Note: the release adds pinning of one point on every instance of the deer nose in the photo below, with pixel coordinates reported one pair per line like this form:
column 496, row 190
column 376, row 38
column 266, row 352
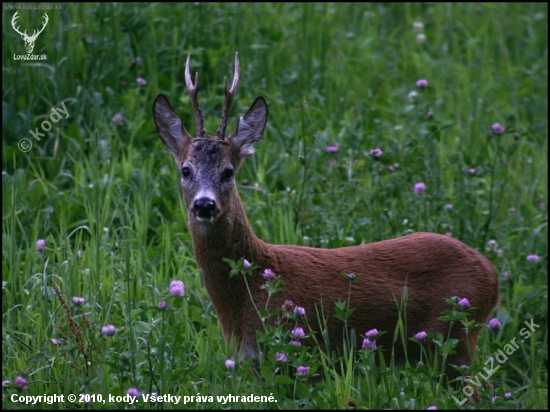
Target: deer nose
column 204, row 208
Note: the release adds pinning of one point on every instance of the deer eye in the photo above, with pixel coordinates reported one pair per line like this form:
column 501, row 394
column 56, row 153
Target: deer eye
column 228, row 173
column 185, row 172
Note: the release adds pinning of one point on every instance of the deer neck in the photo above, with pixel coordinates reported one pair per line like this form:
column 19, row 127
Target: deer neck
column 230, row 236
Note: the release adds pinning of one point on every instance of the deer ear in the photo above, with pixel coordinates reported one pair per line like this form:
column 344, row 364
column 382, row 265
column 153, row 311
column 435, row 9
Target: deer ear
column 250, row 128
column 169, row 126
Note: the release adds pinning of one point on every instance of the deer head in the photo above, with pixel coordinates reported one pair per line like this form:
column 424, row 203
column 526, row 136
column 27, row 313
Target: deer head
column 29, row 40
column 208, row 163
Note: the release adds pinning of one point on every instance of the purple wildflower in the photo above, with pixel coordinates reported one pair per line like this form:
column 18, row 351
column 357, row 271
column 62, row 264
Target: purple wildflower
column 281, row 357
column 246, row 264
column 117, row 119
column 302, row 370
column 56, row 341
column 497, row 128
column 371, row 334
column 419, row 188
column 494, row 324
column 494, row 399
column 508, row 395
column 295, row 342
column 368, row 344
column 532, row 258
column 422, row 83
column 492, row 244
column 431, row 408
column 298, row 332
column 448, row 207
column 162, row 305
column 376, row 152
column 177, row 288
column 332, row 148
column 394, row 166
column 421, row 335
column 268, row 274
column 472, row 171
column 133, row 392
column 108, row 330
column 6, row 383
column 78, row 301
column 141, row 81
column 299, row 311
column 230, row 364
column 21, row 381
column 40, row 245
column 465, row 303
column 287, row 305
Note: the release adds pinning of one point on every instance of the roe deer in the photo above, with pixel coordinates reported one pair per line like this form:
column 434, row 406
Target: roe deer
column 433, row 267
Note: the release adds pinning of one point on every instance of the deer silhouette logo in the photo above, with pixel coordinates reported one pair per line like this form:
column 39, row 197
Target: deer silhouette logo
column 29, row 40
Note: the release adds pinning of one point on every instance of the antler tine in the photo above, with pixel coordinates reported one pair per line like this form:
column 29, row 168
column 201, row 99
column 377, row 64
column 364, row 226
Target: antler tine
column 229, row 94
column 35, row 33
column 14, row 22
column 192, row 89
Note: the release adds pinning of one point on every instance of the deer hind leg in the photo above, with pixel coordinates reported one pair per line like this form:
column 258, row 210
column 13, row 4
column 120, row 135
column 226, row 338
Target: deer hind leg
column 249, row 346
column 465, row 356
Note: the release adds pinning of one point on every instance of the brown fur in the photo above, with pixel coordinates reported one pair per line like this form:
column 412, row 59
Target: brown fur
column 432, row 267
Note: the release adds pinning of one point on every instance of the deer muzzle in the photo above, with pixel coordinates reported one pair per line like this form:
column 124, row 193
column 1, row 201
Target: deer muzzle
column 205, row 209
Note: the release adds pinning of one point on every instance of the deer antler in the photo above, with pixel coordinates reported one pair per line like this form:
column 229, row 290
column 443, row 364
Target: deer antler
column 34, row 34
column 25, row 36
column 193, row 90
column 229, row 94
column 15, row 16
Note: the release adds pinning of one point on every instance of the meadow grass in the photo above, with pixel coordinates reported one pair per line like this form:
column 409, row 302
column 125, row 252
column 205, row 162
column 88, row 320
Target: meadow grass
column 103, row 193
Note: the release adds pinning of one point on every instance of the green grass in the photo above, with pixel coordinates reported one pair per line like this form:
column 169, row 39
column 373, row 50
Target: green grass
column 331, row 74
